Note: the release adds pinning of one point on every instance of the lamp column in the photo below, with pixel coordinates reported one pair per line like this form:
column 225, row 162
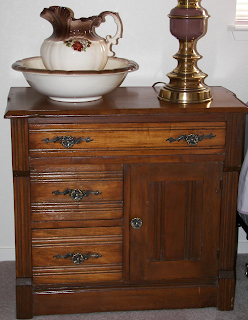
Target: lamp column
column 188, row 23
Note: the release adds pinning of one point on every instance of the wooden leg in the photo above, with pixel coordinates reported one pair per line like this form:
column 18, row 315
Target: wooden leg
column 24, row 301
column 226, row 294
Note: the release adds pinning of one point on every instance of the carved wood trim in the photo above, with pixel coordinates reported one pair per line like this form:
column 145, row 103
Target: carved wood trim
column 193, row 219
column 19, row 135
column 126, row 222
column 142, row 298
column 235, row 140
column 159, row 225
column 22, row 226
column 228, row 221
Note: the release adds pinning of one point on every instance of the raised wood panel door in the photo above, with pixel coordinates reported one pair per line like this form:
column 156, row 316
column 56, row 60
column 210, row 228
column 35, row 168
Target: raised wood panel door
column 179, row 205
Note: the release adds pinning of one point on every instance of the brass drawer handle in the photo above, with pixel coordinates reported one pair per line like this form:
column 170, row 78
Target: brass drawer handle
column 192, row 139
column 136, row 223
column 78, row 258
column 67, row 141
column 76, row 194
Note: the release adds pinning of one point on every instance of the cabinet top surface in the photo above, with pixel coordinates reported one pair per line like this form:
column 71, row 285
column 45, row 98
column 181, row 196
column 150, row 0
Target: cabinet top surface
column 25, row 102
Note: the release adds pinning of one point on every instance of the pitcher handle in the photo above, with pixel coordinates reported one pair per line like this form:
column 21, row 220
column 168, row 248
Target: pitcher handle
column 109, row 39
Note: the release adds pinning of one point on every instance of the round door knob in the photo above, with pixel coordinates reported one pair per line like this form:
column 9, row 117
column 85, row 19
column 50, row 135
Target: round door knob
column 136, row 223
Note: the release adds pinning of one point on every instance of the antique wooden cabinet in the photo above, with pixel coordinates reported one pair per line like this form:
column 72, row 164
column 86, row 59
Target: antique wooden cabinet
column 125, row 203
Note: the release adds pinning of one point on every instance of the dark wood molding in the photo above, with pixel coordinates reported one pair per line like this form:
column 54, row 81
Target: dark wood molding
column 19, row 138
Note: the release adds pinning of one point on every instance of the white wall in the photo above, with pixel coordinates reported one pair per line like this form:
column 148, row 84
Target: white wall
column 146, row 40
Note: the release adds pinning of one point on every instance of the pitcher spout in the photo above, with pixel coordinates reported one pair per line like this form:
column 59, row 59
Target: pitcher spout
column 64, row 24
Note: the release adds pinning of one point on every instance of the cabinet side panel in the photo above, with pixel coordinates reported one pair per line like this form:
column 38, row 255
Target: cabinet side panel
column 228, row 241
column 22, row 226
column 19, row 136
column 228, row 220
column 235, row 140
column 20, row 164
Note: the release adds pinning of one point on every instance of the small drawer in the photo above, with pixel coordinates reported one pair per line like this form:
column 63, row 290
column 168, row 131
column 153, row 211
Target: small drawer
column 77, row 255
column 126, row 139
column 76, row 192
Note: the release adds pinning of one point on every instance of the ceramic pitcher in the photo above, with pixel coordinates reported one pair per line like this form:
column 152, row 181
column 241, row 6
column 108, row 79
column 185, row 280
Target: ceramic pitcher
column 74, row 44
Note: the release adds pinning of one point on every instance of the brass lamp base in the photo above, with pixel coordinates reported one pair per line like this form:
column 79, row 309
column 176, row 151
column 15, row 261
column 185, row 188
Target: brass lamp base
column 177, row 96
column 188, row 23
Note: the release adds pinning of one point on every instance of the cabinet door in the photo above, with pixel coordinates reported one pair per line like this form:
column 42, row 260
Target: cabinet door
column 179, row 205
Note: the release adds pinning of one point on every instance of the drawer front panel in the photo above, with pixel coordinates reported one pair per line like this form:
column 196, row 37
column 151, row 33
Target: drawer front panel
column 76, row 192
column 126, row 139
column 65, row 191
column 77, row 255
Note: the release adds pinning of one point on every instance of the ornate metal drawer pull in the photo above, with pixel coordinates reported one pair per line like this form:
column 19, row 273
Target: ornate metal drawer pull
column 68, row 141
column 192, row 139
column 78, row 258
column 136, row 223
column 77, row 194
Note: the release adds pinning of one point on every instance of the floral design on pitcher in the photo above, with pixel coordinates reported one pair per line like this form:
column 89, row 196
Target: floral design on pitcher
column 78, row 45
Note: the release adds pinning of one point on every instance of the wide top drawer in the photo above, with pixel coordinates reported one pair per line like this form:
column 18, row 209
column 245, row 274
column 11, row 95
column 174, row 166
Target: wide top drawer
column 126, row 139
